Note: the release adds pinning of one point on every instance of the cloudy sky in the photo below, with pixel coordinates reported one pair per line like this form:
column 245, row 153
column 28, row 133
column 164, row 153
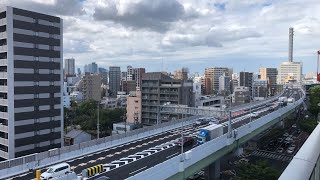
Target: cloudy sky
column 170, row 34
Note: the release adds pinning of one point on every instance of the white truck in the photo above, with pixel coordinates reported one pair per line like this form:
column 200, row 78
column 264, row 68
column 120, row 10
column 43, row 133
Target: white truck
column 282, row 101
column 291, row 100
column 210, row 132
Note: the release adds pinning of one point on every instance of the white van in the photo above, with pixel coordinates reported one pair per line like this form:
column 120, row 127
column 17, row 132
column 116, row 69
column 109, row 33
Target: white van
column 56, row 171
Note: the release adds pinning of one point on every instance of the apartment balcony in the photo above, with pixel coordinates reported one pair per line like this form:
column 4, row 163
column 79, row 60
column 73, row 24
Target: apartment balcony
column 144, row 97
column 153, row 117
column 3, row 141
column 153, row 92
column 4, row 115
column 149, row 85
column 3, row 75
column 145, row 116
column 3, row 128
column 3, row 22
column 3, row 48
column 3, row 88
column 168, row 92
column 3, row 35
column 4, row 102
column 153, row 110
column 3, row 62
column 153, row 97
column 4, row 154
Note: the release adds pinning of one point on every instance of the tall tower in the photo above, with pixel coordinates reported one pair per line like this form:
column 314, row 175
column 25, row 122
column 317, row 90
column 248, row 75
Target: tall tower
column 31, row 113
column 290, row 44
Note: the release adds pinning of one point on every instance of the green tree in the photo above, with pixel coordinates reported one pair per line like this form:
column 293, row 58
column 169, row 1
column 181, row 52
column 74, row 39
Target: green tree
column 259, row 171
column 308, row 125
column 314, row 100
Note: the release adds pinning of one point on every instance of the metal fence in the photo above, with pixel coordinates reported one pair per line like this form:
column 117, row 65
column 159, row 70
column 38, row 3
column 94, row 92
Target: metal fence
column 38, row 160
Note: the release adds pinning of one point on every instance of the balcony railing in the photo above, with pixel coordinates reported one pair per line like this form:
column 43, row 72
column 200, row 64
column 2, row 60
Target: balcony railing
column 3, row 62
column 3, row 88
column 3, row 141
column 3, row 21
column 3, row 75
column 3, row 48
column 3, row 128
column 3, row 35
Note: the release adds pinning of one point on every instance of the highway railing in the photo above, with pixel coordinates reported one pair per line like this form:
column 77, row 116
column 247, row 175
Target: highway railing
column 174, row 165
column 38, row 160
column 306, row 163
column 256, row 103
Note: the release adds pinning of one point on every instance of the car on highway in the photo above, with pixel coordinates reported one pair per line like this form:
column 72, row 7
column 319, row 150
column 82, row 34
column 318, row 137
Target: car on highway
column 286, row 134
column 201, row 121
column 280, row 140
column 290, row 150
column 254, row 114
column 103, row 178
column 280, row 150
column 56, row 171
column 185, row 141
column 294, row 126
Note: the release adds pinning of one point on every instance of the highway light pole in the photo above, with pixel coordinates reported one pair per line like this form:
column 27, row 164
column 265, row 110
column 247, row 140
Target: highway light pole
column 98, row 119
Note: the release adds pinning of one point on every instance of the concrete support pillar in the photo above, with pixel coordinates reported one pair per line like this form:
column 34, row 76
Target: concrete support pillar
column 212, row 172
column 238, row 151
column 280, row 124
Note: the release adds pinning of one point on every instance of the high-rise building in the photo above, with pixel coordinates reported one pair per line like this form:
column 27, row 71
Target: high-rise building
column 289, row 71
column 134, row 107
column 241, row 95
column 213, row 74
column 260, row 89
column 90, row 86
column 158, row 89
column 86, row 68
column 104, row 77
column 69, row 68
column 102, row 70
column 78, row 71
column 93, row 68
column 224, row 84
column 128, row 86
column 129, row 73
column 114, row 80
column 181, row 74
column 246, row 80
column 31, row 82
column 270, row 74
column 138, row 72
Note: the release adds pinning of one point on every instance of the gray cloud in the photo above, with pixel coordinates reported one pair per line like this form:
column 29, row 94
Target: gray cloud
column 58, row 7
column 212, row 38
column 155, row 15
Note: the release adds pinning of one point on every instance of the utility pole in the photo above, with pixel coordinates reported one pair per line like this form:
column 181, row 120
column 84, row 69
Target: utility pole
column 98, row 118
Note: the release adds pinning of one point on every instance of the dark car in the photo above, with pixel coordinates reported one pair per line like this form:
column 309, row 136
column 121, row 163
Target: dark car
column 187, row 141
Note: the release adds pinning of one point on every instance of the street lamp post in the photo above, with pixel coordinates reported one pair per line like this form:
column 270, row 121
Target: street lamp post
column 98, row 120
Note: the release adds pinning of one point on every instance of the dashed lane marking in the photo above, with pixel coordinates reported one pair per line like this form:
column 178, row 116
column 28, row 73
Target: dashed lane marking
column 109, row 155
column 101, row 158
column 82, row 164
column 92, row 161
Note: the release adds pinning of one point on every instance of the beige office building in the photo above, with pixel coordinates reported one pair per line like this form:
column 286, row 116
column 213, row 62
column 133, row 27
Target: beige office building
column 213, row 74
column 289, row 69
column 90, row 86
column 134, row 107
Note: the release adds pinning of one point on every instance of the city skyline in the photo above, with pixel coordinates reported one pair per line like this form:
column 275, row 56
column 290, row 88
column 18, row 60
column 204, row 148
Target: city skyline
column 242, row 35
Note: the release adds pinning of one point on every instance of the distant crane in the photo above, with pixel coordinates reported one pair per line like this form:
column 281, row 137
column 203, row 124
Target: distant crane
column 318, row 74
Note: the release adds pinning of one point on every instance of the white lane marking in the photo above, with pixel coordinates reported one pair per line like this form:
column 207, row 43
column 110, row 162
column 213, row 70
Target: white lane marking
column 89, row 155
column 109, row 155
column 82, row 164
column 23, row 174
column 92, row 161
column 70, row 161
column 101, row 158
column 172, row 155
column 80, row 157
column 117, row 153
column 138, row 170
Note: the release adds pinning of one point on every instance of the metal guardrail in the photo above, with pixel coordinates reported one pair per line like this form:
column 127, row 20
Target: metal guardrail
column 22, row 164
column 173, row 166
column 306, row 163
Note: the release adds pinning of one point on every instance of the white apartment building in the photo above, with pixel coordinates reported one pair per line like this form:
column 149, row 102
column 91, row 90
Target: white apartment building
column 289, row 71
